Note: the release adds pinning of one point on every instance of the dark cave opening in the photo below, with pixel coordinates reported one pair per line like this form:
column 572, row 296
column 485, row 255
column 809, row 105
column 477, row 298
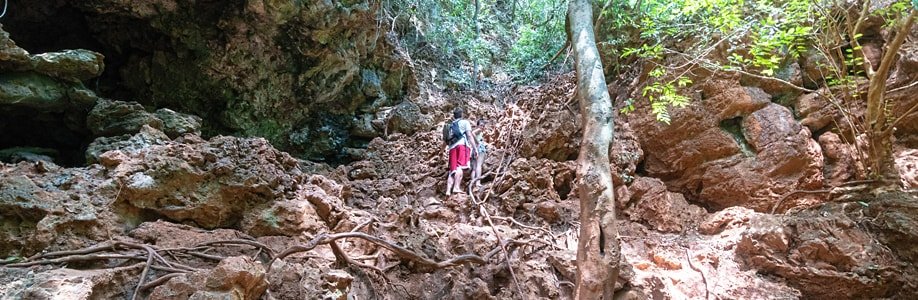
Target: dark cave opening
column 32, row 135
column 61, row 133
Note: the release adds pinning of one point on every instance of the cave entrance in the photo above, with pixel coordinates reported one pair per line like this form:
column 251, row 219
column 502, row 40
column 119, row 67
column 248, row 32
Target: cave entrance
column 30, row 135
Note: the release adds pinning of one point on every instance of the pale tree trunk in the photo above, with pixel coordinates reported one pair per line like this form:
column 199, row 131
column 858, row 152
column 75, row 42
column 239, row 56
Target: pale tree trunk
column 880, row 126
column 598, row 251
column 476, row 71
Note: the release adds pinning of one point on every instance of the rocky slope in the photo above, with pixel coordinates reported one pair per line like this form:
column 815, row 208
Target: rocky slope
column 738, row 198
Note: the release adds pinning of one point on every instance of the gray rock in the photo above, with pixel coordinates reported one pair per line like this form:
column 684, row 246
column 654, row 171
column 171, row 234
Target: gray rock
column 112, row 118
column 33, row 91
column 12, row 58
column 74, row 65
column 177, row 124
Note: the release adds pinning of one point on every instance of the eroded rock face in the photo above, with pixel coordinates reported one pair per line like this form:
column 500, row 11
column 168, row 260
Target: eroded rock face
column 43, row 100
column 823, row 253
column 212, row 183
column 733, row 147
column 554, row 131
column 258, row 68
column 46, row 207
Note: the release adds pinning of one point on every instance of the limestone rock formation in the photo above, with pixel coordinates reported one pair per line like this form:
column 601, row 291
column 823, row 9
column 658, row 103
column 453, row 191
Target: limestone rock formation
column 721, row 152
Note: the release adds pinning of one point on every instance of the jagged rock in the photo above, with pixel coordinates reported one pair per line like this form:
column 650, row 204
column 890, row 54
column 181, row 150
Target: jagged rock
column 325, row 195
column 815, row 110
column 33, row 154
column 823, row 253
column 290, row 218
column 176, row 124
column 112, row 118
column 625, row 153
column 729, row 218
column 554, row 131
column 212, row 183
column 337, row 283
column 237, row 277
column 74, row 65
column 894, row 219
column 726, row 154
column 407, row 118
column 533, row 181
column 664, row 211
column 736, row 101
column 907, row 164
column 12, row 58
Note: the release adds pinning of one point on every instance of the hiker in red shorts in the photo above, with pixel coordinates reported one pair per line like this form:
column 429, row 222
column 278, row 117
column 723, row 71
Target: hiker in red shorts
column 460, row 142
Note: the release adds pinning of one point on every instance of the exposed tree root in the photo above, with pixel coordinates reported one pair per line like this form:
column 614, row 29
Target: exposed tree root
column 422, row 264
column 153, row 260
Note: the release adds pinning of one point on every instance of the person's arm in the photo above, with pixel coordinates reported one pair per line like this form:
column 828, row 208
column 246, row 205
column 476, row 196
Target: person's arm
column 469, row 136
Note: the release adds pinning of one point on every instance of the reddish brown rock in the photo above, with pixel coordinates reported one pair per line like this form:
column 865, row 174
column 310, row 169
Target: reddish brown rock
column 722, row 154
column 823, row 253
column 664, row 211
column 815, row 111
column 786, row 159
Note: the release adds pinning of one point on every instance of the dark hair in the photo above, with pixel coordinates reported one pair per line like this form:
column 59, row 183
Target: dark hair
column 457, row 113
column 482, row 122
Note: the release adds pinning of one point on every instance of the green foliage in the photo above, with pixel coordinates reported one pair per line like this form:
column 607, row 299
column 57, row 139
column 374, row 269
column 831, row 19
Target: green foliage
column 517, row 37
column 753, row 36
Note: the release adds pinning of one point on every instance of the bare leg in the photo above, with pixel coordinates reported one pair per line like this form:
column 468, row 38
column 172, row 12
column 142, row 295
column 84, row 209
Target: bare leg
column 449, row 183
column 457, row 183
column 478, row 163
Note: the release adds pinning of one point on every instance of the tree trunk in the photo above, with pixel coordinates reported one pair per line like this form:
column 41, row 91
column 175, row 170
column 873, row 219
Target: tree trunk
column 880, row 130
column 598, row 251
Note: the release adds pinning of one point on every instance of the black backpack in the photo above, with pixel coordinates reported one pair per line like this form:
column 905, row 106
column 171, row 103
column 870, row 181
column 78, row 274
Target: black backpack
column 451, row 133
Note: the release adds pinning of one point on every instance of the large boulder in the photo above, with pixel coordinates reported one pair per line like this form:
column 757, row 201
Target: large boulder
column 732, row 147
column 211, row 183
column 112, row 118
column 74, row 65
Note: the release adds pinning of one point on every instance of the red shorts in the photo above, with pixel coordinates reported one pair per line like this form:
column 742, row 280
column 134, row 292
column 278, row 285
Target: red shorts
column 459, row 158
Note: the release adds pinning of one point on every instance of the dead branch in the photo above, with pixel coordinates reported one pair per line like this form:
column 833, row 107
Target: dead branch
column 268, row 251
column 143, row 275
column 73, row 258
column 425, row 264
column 501, row 245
